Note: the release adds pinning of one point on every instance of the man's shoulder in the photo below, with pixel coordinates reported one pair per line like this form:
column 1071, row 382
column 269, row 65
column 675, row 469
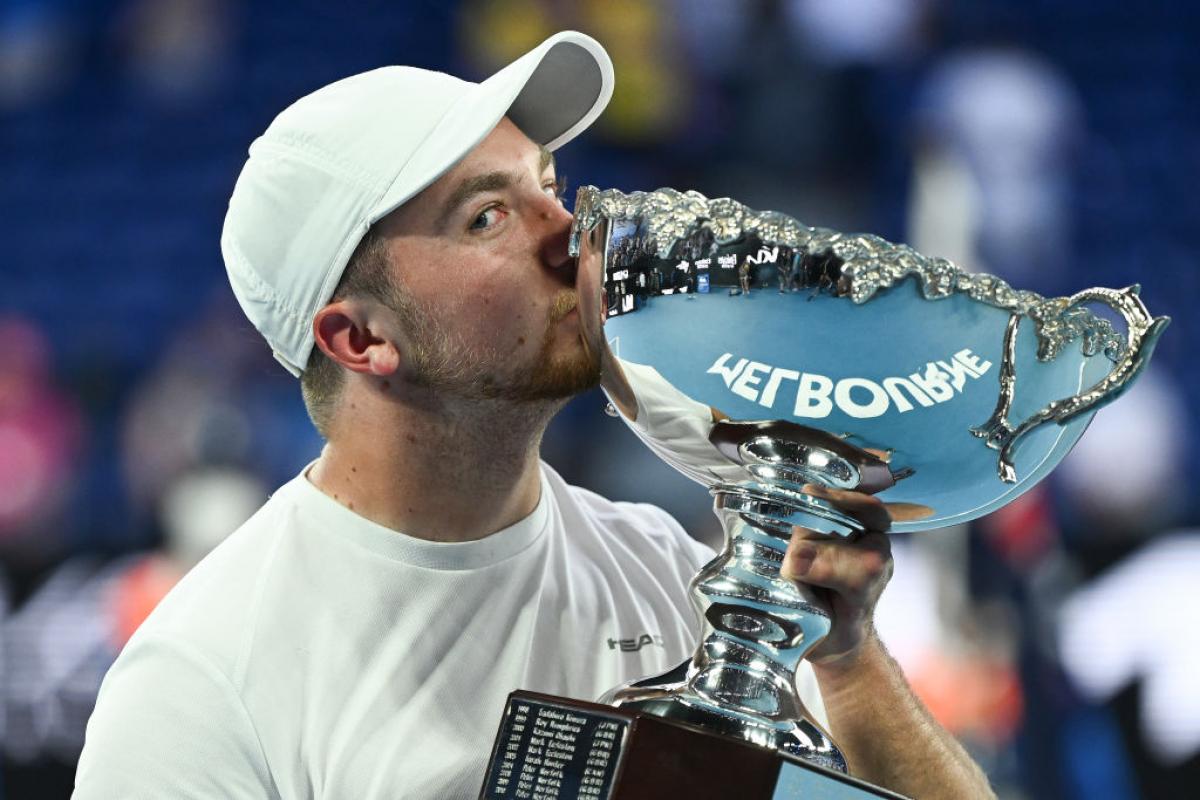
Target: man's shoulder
column 643, row 524
column 605, row 510
column 214, row 603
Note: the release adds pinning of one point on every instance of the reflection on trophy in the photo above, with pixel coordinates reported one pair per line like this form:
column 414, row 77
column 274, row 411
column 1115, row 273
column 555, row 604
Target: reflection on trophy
column 792, row 356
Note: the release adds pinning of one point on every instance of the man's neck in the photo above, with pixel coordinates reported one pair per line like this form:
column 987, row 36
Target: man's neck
column 437, row 471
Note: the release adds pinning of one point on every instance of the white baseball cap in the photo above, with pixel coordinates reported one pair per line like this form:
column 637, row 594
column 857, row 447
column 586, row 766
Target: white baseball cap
column 340, row 159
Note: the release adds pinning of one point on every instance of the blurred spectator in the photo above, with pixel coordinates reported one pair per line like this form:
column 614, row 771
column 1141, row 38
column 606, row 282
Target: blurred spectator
column 1009, row 120
column 958, row 654
column 60, row 643
column 178, row 50
column 56, row 649
column 944, row 206
column 650, row 102
column 198, row 511
column 861, row 32
column 37, row 51
column 1124, row 476
column 216, row 398
column 1123, row 635
column 40, row 439
column 1134, row 624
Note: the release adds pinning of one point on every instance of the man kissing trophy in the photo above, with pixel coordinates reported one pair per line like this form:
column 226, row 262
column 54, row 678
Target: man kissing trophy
column 944, row 393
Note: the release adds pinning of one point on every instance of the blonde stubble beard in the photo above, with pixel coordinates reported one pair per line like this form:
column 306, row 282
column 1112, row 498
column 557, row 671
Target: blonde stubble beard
column 440, row 360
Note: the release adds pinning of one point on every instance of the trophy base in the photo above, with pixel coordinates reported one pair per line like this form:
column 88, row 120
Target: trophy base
column 670, row 696
column 554, row 747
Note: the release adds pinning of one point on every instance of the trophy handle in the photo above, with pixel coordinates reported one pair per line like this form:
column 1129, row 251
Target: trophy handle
column 1054, row 327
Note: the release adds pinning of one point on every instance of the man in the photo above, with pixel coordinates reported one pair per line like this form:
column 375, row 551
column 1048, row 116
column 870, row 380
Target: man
column 398, row 239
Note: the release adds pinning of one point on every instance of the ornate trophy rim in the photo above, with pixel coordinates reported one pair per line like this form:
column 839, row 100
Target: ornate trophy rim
column 865, row 266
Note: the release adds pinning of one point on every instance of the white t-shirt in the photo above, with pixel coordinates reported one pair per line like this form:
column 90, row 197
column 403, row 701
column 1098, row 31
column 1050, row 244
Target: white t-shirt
column 315, row 654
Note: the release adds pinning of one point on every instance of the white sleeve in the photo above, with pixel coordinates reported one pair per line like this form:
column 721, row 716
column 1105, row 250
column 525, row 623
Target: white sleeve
column 675, row 426
column 168, row 723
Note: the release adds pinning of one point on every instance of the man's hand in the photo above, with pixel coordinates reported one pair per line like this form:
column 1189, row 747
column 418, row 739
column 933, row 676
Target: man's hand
column 848, row 572
column 887, row 736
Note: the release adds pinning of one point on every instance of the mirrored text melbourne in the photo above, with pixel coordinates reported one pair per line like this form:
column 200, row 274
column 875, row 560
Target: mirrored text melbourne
column 814, row 395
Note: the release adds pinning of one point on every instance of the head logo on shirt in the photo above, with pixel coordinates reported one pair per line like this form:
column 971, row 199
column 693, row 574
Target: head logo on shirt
column 633, row 645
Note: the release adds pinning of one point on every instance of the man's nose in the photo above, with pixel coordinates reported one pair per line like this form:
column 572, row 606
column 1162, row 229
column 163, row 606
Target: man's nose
column 556, row 237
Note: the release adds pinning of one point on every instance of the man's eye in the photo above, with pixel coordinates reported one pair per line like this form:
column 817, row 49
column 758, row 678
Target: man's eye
column 486, row 219
column 557, row 189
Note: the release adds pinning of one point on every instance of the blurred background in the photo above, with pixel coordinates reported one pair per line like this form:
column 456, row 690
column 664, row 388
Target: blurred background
column 1055, row 143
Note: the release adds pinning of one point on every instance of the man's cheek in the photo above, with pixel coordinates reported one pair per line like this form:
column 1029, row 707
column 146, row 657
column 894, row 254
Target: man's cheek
column 503, row 327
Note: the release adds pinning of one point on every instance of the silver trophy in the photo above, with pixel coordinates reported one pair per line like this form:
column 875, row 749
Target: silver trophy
column 763, row 355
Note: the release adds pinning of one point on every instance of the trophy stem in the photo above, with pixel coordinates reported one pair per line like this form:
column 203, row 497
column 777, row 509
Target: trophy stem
column 757, row 627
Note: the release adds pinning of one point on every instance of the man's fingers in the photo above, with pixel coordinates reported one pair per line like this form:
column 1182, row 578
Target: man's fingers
column 850, row 567
column 868, row 510
column 906, row 512
column 855, row 566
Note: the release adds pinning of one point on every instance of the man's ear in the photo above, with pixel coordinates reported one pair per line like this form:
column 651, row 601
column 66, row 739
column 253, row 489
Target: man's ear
column 356, row 333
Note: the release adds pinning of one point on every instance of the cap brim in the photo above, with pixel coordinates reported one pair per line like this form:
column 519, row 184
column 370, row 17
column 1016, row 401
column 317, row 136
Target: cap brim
column 552, row 93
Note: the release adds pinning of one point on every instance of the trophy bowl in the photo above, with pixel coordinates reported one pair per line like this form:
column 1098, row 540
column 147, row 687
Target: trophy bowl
column 951, row 377
column 759, row 355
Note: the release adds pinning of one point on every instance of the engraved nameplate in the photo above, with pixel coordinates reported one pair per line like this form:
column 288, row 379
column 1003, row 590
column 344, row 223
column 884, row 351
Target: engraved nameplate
column 547, row 751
